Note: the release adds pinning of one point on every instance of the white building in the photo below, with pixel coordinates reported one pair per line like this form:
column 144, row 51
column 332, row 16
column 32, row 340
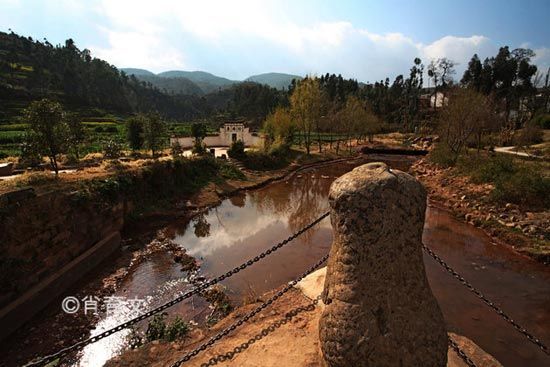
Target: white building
column 229, row 133
column 438, row 100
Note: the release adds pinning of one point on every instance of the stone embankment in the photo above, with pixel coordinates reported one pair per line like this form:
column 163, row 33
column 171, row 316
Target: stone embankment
column 527, row 231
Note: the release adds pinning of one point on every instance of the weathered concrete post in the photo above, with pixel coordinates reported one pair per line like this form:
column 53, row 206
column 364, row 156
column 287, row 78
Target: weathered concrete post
column 379, row 309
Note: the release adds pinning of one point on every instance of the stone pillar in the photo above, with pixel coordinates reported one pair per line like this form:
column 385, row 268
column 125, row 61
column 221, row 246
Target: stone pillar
column 379, row 310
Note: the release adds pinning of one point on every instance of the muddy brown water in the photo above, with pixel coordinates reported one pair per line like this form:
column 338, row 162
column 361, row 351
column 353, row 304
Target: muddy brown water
column 246, row 224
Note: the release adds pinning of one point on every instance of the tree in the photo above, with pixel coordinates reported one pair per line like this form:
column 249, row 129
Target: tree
column 441, row 71
column 467, row 114
column 357, row 120
column 199, row 132
column 413, row 88
column 48, row 130
column 472, row 75
column 279, row 127
column 134, row 131
column 307, row 105
column 154, row 132
column 76, row 134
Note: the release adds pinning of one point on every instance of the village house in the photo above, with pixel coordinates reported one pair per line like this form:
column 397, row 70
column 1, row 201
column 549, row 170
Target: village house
column 229, row 133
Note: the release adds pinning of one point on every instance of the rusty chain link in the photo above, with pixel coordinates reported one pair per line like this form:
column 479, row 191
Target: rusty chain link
column 489, row 303
column 461, row 353
column 241, row 321
column 81, row 344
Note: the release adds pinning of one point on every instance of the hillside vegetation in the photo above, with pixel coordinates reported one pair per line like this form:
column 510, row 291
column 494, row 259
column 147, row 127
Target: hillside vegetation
column 274, row 80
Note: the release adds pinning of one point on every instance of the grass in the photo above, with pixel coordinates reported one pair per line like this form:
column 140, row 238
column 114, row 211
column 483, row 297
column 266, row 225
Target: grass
column 515, row 180
column 230, row 172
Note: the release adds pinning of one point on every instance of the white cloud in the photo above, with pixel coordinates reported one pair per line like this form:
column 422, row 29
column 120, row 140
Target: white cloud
column 258, row 36
column 542, row 58
column 135, row 49
column 459, row 48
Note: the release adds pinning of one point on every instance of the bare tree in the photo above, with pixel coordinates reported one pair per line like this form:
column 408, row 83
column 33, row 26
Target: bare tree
column 468, row 114
column 441, row 71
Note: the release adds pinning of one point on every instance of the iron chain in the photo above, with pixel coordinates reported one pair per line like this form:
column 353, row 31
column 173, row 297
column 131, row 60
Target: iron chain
column 247, row 317
column 461, row 353
column 81, row 344
column 271, row 328
column 489, row 303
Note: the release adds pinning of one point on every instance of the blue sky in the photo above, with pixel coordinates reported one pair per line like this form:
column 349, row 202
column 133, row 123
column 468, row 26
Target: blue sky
column 366, row 40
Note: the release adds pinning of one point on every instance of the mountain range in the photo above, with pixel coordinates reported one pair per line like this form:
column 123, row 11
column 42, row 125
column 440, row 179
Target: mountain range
column 201, row 82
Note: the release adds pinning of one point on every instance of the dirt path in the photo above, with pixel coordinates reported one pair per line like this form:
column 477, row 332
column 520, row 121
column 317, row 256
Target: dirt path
column 513, row 151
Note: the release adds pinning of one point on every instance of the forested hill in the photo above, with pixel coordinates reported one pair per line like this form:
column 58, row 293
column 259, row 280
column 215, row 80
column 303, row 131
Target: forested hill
column 31, row 70
column 274, row 80
column 185, row 82
column 197, row 82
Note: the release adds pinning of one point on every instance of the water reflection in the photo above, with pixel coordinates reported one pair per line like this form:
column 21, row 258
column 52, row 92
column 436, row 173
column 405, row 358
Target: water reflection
column 247, row 224
column 201, row 226
column 244, row 225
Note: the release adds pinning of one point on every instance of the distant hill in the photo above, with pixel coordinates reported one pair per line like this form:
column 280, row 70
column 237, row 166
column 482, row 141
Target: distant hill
column 137, row 72
column 177, row 85
column 206, row 81
column 274, row 80
column 179, row 81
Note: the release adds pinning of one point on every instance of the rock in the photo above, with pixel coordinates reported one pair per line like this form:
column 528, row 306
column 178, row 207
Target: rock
column 6, row 169
column 376, row 258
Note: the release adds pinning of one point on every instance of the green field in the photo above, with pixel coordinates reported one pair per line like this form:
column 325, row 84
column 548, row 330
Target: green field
column 98, row 130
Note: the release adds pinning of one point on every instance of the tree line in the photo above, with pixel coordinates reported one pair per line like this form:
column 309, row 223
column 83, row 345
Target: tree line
column 32, row 70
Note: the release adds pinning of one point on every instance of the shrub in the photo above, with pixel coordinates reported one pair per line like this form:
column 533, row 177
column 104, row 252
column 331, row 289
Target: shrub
column 236, row 150
column 176, row 330
column 112, row 149
column 530, row 135
column 490, row 170
column 35, row 179
column 156, row 328
column 111, row 129
column 159, row 329
column 98, row 129
column 261, row 161
column 199, row 148
column 231, row 172
column 514, row 182
column 176, row 149
column 541, row 120
column 442, row 155
column 134, row 132
column 30, row 155
column 71, row 159
column 525, row 186
column 280, row 150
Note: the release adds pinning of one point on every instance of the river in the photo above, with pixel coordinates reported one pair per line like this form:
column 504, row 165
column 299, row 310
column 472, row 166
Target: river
column 246, row 224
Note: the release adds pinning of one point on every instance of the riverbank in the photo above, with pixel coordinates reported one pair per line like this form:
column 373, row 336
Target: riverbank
column 527, row 232
column 144, row 235
column 306, row 182
column 295, row 343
